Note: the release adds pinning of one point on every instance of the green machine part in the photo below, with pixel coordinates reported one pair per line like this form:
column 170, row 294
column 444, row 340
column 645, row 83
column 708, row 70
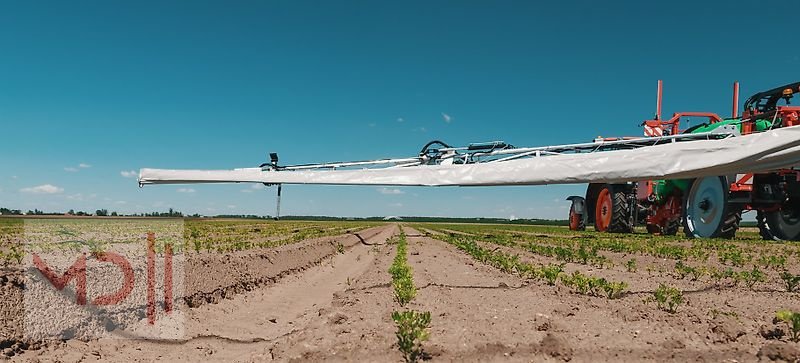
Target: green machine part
column 760, row 125
column 665, row 188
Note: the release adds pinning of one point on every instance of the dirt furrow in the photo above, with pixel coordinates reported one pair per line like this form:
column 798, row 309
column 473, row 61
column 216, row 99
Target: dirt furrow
column 245, row 325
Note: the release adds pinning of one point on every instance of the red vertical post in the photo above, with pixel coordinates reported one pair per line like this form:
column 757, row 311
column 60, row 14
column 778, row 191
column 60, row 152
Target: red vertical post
column 658, row 100
column 151, row 278
column 168, row 278
column 735, row 112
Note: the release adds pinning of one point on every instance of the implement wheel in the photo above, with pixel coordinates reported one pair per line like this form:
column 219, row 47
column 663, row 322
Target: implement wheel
column 576, row 222
column 706, row 213
column 612, row 211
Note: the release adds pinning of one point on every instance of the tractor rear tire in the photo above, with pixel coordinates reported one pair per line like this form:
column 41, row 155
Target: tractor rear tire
column 612, row 213
column 779, row 225
column 706, row 212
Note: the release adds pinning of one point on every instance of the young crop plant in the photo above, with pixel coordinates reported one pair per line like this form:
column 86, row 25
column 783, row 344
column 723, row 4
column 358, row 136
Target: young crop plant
column 718, row 275
column 577, row 281
column 595, row 286
column 752, row 277
column 776, row 263
column 682, row 270
column 402, row 277
column 698, row 272
column 551, row 273
column 792, row 319
column 614, row 290
column 791, row 281
column 734, row 255
column 668, row 298
column 630, row 265
column 412, row 330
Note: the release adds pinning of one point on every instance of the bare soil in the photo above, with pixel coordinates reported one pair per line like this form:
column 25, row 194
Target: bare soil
column 307, row 302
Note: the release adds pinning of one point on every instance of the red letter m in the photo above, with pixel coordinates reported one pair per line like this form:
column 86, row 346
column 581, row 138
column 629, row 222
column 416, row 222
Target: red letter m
column 76, row 271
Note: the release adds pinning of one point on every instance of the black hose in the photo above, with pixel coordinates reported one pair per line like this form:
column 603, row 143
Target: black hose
column 434, row 142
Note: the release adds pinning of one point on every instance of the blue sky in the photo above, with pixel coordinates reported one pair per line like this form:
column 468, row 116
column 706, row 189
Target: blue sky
column 92, row 90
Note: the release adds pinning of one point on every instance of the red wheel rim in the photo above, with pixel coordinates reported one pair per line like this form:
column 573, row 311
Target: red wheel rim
column 602, row 213
column 574, row 219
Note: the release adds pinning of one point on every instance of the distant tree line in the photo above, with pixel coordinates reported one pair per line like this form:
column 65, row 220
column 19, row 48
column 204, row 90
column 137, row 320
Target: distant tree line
column 10, row 212
column 99, row 213
column 171, row 213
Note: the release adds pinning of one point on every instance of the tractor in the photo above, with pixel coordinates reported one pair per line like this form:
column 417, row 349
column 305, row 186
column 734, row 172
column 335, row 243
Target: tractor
column 709, row 207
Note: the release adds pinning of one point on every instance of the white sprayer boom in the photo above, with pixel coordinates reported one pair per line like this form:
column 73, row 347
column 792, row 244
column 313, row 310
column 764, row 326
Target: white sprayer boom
column 722, row 152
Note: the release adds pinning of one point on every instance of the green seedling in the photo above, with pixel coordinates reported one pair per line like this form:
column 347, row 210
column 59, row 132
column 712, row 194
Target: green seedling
column 412, row 330
column 668, row 298
column 791, row 281
column 551, row 273
column 791, row 319
column 630, row 266
column 752, row 277
column 402, row 277
column 614, row 290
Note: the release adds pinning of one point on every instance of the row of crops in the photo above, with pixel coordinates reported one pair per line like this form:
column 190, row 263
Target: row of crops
column 19, row 235
column 11, row 231
column 747, row 262
column 235, row 235
column 594, row 248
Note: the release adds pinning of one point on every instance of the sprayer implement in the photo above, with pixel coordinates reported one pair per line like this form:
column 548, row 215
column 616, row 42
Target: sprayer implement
column 676, row 163
column 708, row 205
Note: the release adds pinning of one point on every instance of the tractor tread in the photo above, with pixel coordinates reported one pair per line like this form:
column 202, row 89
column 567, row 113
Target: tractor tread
column 731, row 224
column 620, row 221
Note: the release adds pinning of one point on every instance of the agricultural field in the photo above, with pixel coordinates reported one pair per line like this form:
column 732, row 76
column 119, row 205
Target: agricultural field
column 393, row 292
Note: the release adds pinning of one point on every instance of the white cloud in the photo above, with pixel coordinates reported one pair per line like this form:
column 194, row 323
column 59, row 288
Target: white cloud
column 128, row 173
column 81, row 197
column 186, row 190
column 447, row 118
column 372, row 124
column 419, row 129
column 72, row 169
column 43, row 189
column 78, row 197
column 390, row 191
column 231, row 206
column 396, row 205
column 14, row 177
column 400, row 119
column 120, row 202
